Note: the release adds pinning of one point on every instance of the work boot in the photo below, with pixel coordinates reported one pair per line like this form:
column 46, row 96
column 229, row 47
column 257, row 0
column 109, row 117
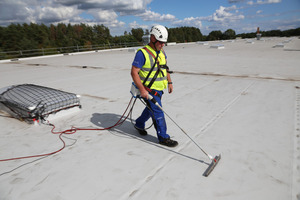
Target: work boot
column 168, row 142
column 141, row 131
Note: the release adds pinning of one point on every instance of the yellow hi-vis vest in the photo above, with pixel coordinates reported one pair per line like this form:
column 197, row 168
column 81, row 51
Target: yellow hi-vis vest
column 161, row 81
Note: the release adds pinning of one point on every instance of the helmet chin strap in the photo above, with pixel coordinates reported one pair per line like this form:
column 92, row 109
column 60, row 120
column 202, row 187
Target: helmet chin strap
column 154, row 44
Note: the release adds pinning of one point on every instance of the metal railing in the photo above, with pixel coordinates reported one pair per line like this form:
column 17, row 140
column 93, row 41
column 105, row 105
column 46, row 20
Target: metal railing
column 64, row 50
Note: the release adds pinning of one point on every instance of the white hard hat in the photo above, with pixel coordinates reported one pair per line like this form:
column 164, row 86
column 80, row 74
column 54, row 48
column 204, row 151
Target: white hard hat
column 160, row 33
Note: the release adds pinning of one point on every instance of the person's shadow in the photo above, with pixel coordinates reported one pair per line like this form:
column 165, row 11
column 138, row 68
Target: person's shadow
column 126, row 129
column 123, row 129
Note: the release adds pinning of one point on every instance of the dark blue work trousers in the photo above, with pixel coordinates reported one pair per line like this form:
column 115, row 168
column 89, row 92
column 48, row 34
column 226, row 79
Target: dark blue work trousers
column 157, row 115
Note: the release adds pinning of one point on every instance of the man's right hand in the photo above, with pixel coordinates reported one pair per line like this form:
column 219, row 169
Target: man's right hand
column 144, row 94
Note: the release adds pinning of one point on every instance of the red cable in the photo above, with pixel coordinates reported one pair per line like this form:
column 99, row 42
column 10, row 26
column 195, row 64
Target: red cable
column 72, row 131
column 41, row 155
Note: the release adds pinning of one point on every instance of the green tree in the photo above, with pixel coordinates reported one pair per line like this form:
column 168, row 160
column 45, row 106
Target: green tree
column 137, row 34
column 196, row 34
column 12, row 37
column 291, row 32
column 87, row 35
column 61, row 31
column 52, row 35
column 1, row 36
column 102, row 34
column 247, row 35
column 273, row 33
column 16, row 37
column 229, row 34
column 215, row 35
column 184, row 34
column 124, row 39
column 70, row 36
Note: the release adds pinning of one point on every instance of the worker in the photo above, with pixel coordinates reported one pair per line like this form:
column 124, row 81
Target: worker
column 150, row 74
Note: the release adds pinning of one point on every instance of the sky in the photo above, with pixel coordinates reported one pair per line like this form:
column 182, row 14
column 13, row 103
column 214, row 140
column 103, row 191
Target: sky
column 243, row 16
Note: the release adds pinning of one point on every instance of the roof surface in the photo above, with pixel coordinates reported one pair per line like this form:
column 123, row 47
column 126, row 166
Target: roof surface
column 242, row 102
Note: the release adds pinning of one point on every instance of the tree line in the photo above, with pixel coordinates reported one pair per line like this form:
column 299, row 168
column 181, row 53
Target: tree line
column 272, row 33
column 33, row 36
column 17, row 37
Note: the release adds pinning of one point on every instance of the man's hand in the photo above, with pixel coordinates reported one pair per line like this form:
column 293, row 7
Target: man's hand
column 144, row 94
column 170, row 88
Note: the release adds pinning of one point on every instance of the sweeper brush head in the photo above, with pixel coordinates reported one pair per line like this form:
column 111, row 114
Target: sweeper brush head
column 212, row 165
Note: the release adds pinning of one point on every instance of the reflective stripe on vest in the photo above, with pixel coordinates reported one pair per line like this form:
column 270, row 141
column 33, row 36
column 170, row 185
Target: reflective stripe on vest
column 161, row 81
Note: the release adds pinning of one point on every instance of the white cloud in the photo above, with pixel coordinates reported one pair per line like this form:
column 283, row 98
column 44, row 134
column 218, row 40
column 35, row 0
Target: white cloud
column 108, row 12
column 136, row 25
column 28, row 11
column 125, row 7
column 287, row 24
column 231, row 8
column 263, row 2
column 108, row 18
column 114, row 24
column 190, row 21
column 222, row 19
column 153, row 16
column 268, row 1
column 270, row 25
column 14, row 11
column 247, row 29
column 223, row 14
column 104, row 15
column 50, row 14
column 91, row 12
column 69, row 11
